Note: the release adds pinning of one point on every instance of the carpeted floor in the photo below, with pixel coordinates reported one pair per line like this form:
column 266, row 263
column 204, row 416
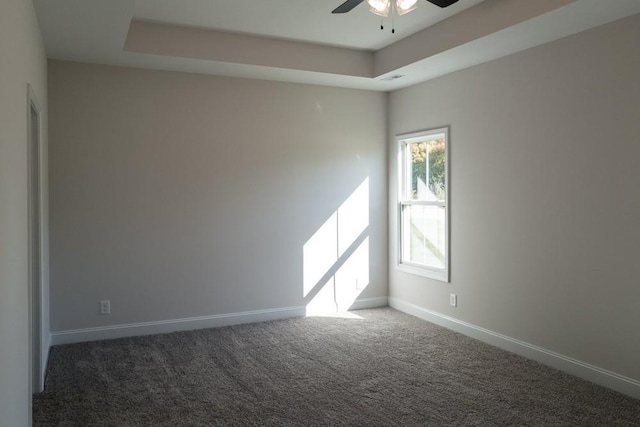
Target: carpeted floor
column 384, row 368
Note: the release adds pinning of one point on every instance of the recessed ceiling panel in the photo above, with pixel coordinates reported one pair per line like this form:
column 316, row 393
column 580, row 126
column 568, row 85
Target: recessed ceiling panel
column 302, row 20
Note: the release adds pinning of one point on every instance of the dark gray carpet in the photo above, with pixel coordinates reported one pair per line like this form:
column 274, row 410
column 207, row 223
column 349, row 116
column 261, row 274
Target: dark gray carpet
column 385, row 369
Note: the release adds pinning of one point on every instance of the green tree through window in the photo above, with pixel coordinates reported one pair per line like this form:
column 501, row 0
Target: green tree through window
column 431, row 153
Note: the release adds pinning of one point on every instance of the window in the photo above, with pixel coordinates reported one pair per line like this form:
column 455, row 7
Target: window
column 423, row 196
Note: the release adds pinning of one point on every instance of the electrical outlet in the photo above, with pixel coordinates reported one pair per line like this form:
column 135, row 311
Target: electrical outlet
column 105, row 307
column 453, row 300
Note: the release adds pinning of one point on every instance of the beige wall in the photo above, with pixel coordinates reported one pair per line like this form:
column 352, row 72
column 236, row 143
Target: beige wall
column 178, row 195
column 545, row 171
column 22, row 61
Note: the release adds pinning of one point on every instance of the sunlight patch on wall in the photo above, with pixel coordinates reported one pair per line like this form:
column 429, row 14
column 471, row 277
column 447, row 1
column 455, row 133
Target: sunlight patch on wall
column 353, row 217
column 319, row 253
column 324, row 300
column 336, row 257
column 352, row 277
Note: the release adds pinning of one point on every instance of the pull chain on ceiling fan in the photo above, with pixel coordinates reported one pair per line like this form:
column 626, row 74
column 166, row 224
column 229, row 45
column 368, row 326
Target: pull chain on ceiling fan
column 383, row 8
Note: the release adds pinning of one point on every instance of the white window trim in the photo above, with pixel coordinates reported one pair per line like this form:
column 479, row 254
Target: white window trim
column 441, row 274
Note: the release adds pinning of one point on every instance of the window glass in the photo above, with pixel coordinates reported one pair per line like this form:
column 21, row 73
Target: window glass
column 427, row 169
column 426, row 235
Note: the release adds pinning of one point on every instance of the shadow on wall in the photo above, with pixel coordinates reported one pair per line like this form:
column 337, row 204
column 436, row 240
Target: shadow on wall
column 336, row 258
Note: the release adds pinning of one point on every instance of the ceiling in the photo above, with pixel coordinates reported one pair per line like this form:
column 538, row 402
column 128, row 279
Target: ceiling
column 301, row 41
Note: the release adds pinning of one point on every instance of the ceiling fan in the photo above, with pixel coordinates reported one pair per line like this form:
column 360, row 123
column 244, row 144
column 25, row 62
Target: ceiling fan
column 350, row 4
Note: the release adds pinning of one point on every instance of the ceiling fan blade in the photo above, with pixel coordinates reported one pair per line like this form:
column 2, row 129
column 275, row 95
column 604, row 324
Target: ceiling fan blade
column 442, row 3
column 347, row 6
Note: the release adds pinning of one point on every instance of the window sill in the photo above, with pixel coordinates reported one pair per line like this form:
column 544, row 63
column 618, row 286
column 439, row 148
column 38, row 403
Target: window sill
column 436, row 274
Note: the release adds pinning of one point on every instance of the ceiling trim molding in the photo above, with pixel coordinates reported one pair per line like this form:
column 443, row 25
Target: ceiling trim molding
column 471, row 24
column 211, row 45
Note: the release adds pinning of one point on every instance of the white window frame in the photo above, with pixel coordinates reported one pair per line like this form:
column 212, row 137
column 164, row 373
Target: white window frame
column 404, row 199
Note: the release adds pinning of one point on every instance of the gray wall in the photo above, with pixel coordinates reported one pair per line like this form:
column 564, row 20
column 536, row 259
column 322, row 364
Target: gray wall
column 545, row 171
column 22, row 61
column 178, row 195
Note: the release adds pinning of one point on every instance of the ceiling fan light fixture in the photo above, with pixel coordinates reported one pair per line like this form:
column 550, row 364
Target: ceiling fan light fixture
column 380, row 7
column 406, row 6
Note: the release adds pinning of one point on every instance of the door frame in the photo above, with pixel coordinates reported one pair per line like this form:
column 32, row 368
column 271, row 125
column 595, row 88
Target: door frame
column 35, row 245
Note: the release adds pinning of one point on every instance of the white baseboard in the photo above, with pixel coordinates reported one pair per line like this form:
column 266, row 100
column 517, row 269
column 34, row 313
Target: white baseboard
column 173, row 325
column 202, row 322
column 364, row 303
column 592, row 373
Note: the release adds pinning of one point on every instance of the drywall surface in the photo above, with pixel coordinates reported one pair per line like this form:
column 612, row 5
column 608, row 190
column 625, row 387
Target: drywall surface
column 545, row 170
column 22, row 61
column 177, row 195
